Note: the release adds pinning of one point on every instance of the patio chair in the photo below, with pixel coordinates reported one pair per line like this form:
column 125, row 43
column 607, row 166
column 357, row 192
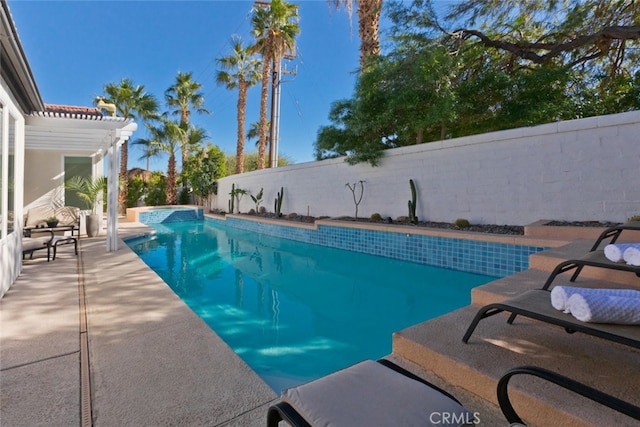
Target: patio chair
column 567, row 383
column 367, row 394
column 536, row 304
column 384, row 394
column 68, row 218
column 32, row 244
column 595, row 257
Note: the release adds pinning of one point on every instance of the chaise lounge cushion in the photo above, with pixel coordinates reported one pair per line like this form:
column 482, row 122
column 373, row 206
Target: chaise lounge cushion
column 67, row 215
column 34, row 243
column 370, row 394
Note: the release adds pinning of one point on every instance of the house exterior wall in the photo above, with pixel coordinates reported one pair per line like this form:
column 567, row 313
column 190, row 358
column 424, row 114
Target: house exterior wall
column 45, row 177
column 10, row 240
column 577, row 170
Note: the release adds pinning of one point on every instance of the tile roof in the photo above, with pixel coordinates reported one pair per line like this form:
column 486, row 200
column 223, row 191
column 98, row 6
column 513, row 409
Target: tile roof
column 72, row 110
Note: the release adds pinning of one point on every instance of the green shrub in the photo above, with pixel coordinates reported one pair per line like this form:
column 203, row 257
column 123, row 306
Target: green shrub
column 634, row 218
column 157, row 190
column 462, row 223
column 136, row 189
column 185, row 197
column 376, row 217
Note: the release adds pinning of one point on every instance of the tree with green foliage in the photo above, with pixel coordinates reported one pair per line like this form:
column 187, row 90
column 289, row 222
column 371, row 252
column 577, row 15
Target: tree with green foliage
column 168, row 138
column 437, row 83
column 203, row 169
column 240, row 70
column 274, row 28
column 184, row 95
column 156, row 194
column 251, row 162
column 131, row 102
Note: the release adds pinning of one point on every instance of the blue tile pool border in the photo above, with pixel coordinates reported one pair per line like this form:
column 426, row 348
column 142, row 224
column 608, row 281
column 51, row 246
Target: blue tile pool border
column 495, row 259
column 164, row 215
column 473, row 256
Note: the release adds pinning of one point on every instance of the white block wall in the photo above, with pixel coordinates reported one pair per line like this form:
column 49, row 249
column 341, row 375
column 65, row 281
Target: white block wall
column 578, row 170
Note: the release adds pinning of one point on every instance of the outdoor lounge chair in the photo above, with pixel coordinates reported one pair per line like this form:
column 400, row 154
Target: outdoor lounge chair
column 536, row 304
column 567, row 383
column 32, row 244
column 384, row 394
column 595, row 257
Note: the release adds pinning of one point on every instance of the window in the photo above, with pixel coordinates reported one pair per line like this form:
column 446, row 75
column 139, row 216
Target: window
column 76, row 166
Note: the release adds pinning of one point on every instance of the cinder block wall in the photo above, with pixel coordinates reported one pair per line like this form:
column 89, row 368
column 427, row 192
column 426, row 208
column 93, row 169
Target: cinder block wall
column 578, row 170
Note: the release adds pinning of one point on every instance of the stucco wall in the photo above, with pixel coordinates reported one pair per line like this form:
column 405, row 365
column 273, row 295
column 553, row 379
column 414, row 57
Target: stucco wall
column 579, row 170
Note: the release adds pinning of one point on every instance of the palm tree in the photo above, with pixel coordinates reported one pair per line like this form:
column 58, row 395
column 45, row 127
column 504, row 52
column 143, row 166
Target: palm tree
column 131, row 102
column 240, row 70
column 149, row 150
column 168, row 138
column 254, row 131
column 368, row 26
column 183, row 95
column 275, row 28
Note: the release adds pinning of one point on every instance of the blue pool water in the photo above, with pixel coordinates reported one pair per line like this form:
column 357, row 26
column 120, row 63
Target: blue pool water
column 295, row 311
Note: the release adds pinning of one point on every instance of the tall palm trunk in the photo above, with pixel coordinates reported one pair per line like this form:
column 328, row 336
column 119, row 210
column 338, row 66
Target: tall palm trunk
column 368, row 27
column 184, row 119
column 172, row 181
column 264, row 97
column 124, row 181
column 242, row 102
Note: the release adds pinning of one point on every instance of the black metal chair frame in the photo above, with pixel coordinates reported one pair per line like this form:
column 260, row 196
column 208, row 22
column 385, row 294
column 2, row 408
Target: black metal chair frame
column 623, row 334
column 282, row 411
column 595, row 257
column 46, row 245
column 567, row 383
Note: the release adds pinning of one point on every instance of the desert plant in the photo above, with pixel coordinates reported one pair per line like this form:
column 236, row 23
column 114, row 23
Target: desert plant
column 376, row 217
column 412, row 203
column 353, row 191
column 634, row 218
column 277, row 208
column 231, row 193
column 236, row 193
column 462, row 223
column 257, row 199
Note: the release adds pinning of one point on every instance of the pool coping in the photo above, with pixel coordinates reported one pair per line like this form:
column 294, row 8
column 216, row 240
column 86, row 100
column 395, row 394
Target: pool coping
column 546, row 241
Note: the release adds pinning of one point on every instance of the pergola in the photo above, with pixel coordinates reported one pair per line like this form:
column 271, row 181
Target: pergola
column 87, row 131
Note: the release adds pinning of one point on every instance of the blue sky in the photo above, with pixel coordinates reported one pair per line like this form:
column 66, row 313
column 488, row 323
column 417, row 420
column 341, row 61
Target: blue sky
column 75, row 47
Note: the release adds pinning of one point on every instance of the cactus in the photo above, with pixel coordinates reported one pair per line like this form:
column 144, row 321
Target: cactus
column 278, row 202
column 232, row 194
column 412, row 203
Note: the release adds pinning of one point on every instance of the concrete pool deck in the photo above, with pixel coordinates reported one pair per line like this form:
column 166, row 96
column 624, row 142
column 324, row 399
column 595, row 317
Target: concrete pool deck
column 101, row 340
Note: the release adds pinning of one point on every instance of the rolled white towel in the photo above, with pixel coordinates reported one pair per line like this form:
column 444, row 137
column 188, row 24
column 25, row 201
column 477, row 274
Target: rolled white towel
column 560, row 294
column 605, row 309
column 615, row 252
column 631, row 255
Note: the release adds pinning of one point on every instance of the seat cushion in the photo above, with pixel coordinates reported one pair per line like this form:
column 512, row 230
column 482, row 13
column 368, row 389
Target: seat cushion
column 33, row 243
column 370, row 394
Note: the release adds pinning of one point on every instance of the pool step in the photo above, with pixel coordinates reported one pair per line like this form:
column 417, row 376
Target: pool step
column 436, row 346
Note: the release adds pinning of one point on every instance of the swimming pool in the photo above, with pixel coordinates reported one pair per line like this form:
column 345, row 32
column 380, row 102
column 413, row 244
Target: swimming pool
column 296, row 311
